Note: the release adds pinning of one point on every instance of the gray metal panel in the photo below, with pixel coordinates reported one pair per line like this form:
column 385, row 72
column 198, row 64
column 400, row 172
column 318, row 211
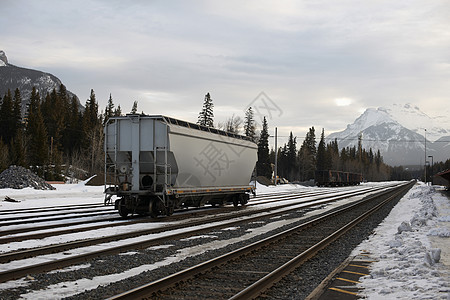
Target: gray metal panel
column 124, row 135
column 146, row 134
column 135, row 145
column 152, row 131
column 161, row 135
column 110, row 134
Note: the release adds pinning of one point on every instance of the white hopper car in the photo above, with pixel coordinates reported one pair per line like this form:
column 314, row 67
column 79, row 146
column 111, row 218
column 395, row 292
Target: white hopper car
column 155, row 164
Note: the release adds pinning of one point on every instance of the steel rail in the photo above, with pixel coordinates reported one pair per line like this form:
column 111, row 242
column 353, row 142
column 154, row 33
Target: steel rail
column 49, row 214
column 48, row 208
column 164, row 283
column 67, row 261
column 263, row 284
column 21, row 254
column 21, row 222
column 180, row 214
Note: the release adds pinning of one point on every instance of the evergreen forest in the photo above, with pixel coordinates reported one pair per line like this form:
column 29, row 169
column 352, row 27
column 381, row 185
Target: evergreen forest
column 57, row 138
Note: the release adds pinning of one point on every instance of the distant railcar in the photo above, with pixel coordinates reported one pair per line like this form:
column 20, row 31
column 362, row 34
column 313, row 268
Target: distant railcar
column 155, row 164
column 337, row 178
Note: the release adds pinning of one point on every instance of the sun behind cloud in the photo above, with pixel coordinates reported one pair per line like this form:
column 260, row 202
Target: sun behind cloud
column 343, row 101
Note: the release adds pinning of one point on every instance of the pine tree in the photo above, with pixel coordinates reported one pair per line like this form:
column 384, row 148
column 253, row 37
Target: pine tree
column 288, row 158
column 118, row 111
column 359, row 153
column 378, row 159
column 249, row 124
column 37, row 147
column 35, row 100
column 321, row 154
column 307, row 156
column 282, row 163
column 333, row 155
column 263, row 167
column 18, row 149
column 4, row 157
column 73, row 133
column 93, row 135
column 17, row 142
column 54, row 111
column 134, row 108
column 17, row 112
column 205, row 117
column 90, row 116
column 7, row 121
column 109, row 110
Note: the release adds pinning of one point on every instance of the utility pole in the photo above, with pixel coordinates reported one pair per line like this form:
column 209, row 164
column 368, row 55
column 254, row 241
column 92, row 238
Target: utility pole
column 425, row 156
column 432, row 163
column 276, row 156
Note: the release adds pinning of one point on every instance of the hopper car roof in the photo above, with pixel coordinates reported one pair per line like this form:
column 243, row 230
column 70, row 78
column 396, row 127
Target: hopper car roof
column 173, row 121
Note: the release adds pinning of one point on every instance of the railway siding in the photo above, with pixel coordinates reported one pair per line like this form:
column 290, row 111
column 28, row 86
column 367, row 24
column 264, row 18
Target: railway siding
column 107, row 265
column 254, row 263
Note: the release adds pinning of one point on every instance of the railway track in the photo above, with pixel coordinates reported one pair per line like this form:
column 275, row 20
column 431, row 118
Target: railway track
column 19, row 266
column 49, row 209
column 117, row 221
column 247, row 272
column 93, row 211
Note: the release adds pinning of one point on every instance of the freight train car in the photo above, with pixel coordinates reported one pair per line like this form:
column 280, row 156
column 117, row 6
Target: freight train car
column 155, row 164
column 337, row 178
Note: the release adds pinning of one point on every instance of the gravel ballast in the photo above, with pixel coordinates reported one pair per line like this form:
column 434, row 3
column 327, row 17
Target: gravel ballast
column 292, row 288
column 17, row 177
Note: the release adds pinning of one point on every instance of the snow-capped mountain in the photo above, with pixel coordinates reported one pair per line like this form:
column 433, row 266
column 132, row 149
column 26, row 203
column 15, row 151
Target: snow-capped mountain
column 12, row 77
column 414, row 119
column 397, row 132
column 3, row 59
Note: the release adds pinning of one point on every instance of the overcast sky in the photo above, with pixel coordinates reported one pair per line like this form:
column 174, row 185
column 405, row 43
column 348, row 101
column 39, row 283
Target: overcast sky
column 302, row 63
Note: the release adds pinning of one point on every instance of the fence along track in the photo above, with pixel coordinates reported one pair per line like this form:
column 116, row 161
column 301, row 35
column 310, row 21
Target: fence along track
column 213, row 274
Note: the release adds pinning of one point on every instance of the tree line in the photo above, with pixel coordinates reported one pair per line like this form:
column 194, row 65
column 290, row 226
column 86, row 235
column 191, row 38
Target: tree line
column 56, row 136
column 300, row 165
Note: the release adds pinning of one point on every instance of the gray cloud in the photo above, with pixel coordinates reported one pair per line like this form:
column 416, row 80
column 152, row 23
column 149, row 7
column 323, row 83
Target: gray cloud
column 303, row 54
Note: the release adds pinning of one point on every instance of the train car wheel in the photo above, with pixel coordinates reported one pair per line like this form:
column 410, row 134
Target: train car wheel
column 123, row 210
column 236, row 200
column 152, row 209
column 243, row 199
column 170, row 211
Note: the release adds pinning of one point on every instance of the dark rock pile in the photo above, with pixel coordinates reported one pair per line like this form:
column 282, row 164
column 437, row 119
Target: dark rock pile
column 16, row 177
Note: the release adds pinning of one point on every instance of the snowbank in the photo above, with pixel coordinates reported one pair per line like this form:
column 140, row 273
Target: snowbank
column 409, row 264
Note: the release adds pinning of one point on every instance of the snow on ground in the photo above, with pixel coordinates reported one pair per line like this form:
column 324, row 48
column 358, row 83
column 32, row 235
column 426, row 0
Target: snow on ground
column 65, row 194
column 74, row 197
column 411, row 248
column 407, row 264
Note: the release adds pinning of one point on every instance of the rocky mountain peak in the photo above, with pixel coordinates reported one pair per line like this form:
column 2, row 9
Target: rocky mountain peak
column 14, row 77
column 398, row 132
column 3, row 58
